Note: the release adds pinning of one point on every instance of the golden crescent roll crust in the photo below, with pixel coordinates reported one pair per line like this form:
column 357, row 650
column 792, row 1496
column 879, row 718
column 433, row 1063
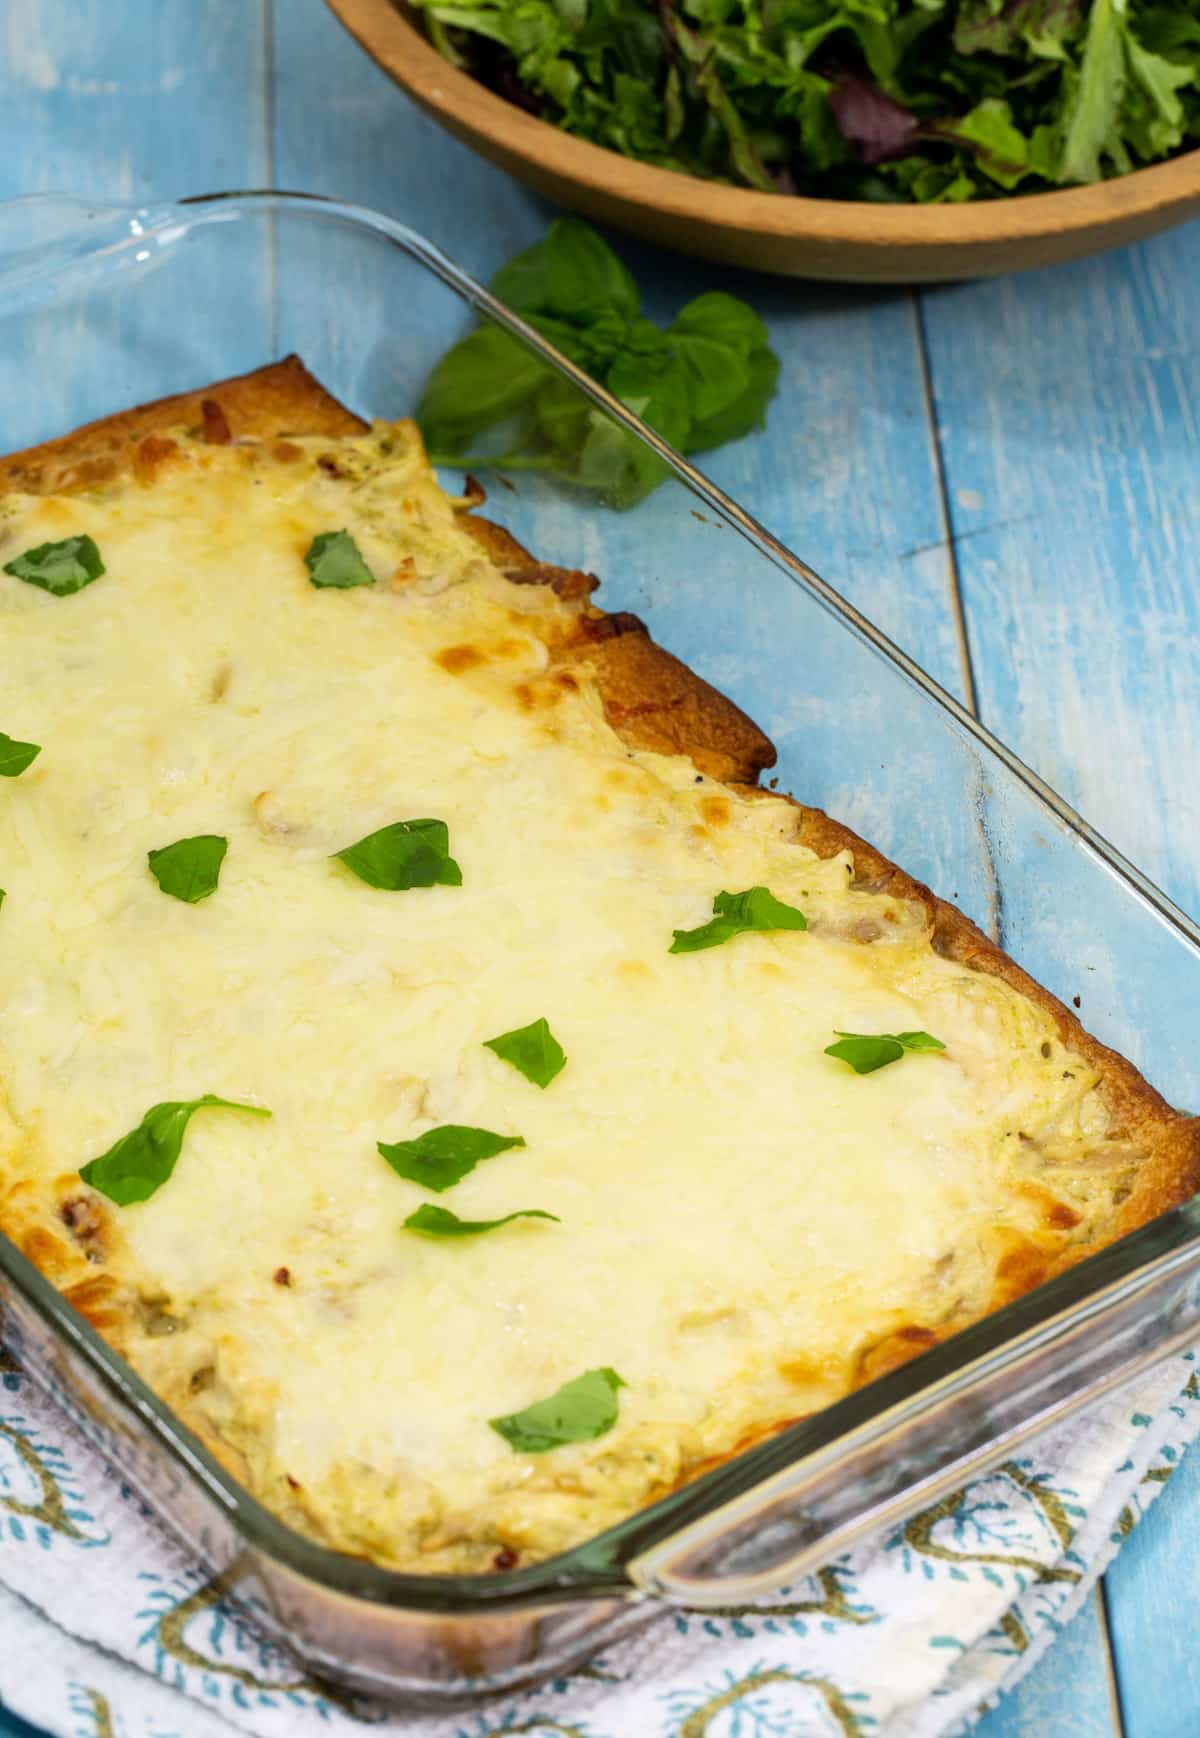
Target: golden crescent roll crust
column 281, row 399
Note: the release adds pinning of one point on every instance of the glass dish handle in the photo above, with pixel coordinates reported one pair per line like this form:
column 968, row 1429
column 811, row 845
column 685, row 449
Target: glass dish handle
column 932, row 1441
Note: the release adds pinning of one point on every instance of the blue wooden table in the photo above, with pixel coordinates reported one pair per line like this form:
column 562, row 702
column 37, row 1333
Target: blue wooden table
column 1005, row 476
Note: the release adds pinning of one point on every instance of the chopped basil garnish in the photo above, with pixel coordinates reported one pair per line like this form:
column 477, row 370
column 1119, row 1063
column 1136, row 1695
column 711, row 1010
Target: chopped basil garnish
column 60, row 568
column 442, row 1156
column 190, row 868
column 865, row 1052
column 440, row 1222
column 406, row 854
column 579, row 1412
column 16, row 756
column 534, row 1050
column 141, row 1161
column 735, row 914
column 334, row 559
column 3, row 896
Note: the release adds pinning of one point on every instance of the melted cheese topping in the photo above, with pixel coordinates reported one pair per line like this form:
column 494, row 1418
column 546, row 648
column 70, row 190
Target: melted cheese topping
column 741, row 1215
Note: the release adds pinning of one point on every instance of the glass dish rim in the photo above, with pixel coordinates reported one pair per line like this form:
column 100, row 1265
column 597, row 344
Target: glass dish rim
column 597, row 1567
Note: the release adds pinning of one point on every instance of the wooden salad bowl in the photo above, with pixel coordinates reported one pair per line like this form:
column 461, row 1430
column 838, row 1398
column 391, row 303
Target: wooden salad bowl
column 845, row 240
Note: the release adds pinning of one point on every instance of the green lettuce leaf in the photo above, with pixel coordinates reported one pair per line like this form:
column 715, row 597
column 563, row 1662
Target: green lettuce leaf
column 879, row 100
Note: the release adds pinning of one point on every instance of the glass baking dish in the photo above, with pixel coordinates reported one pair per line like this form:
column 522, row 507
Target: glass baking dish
column 101, row 309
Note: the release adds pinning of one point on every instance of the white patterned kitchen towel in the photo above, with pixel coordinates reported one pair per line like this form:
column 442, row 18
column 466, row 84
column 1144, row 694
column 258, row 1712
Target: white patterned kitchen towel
column 108, row 1631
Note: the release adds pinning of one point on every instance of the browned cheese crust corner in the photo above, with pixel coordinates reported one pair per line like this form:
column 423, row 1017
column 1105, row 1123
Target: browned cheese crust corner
column 654, row 702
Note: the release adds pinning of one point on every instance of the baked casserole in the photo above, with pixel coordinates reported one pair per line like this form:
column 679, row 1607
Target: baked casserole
column 427, row 1054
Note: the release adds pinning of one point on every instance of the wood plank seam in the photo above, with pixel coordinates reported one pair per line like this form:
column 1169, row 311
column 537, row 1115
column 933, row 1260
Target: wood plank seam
column 993, row 920
column 935, row 443
column 995, row 925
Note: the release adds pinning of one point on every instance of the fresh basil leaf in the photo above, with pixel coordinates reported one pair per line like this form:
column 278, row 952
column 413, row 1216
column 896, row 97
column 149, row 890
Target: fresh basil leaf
column 440, row 1222
column 16, row 756
column 574, row 343
column 571, row 273
column 607, row 337
column 736, row 914
column 639, row 337
column 723, row 318
column 717, row 375
column 621, row 468
column 190, row 868
column 520, row 283
column 3, row 896
column 745, row 413
column 759, row 909
column 489, row 402
column 142, row 1161
column 406, row 854
column 658, row 389
column 533, row 1050
column 562, row 414
column 479, row 382
column 584, row 277
column 334, row 560
column 443, row 1156
column 865, row 1052
column 917, row 1041
column 580, row 1411
column 60, row 568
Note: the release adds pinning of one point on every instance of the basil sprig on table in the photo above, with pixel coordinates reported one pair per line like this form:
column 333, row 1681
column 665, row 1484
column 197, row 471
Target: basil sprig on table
column 405, row 854
column 441, row 1222
column 533, row 1050
column 16, row 756
column 443, row 1156
column 190, row 868
column 142, row 1161
column 736, row 914
column 60, row 568
column 867, row 1051
column 704, row 380
column 579, row 1412
column 334, row 560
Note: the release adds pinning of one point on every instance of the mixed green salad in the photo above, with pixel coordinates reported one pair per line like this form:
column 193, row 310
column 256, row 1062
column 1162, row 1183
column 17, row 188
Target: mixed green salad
column 925, row 100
